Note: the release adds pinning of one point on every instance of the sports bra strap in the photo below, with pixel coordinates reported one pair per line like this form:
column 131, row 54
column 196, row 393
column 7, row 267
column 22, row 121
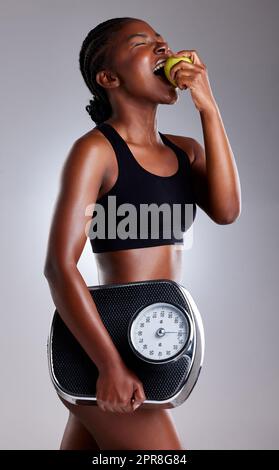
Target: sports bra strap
column 120, row 147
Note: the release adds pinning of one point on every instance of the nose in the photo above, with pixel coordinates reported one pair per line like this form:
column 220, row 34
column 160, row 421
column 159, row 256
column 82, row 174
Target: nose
column 163, row 48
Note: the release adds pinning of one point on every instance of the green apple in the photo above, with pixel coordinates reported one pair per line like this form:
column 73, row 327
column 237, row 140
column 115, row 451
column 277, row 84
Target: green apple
column 171, row 61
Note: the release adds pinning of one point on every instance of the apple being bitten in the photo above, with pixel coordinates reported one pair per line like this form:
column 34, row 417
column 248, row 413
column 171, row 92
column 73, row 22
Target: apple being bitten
column 171, row 61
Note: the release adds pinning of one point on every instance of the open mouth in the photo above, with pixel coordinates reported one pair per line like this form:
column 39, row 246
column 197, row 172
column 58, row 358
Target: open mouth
column 161, row 75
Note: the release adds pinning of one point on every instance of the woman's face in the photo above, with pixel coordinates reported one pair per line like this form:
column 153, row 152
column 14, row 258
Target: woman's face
column 135, row 51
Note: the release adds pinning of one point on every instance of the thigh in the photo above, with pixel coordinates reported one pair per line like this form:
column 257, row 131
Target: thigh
column 143, row 429
column 76, row 436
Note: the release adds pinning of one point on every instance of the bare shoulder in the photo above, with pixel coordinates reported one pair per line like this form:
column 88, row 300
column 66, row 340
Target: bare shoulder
column 85, row 169
column 93, row 144
column 90, row 155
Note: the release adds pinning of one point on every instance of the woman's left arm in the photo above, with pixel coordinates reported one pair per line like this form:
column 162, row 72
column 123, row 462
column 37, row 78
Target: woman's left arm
column 214, row 167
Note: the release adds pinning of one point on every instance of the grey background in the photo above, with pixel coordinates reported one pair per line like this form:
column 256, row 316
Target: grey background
column 231, row 271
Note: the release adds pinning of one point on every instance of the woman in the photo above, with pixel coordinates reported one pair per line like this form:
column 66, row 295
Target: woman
column 125, row 156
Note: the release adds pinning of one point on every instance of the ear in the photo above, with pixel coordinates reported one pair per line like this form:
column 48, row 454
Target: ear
column 107, row 79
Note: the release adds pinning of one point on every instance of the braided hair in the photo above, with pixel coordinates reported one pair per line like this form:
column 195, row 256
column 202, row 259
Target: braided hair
column 94, row 56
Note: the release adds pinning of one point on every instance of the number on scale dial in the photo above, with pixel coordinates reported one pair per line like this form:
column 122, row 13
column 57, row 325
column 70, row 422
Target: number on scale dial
column 159, row 332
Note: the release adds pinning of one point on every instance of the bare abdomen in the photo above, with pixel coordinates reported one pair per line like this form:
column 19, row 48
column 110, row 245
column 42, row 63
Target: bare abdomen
column 159, row 262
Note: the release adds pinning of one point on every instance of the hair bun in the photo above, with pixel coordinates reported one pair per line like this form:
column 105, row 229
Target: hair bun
column 96, row 110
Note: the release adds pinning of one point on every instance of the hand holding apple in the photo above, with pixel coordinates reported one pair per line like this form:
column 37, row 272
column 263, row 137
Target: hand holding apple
column 171, row 61
column 185, row 69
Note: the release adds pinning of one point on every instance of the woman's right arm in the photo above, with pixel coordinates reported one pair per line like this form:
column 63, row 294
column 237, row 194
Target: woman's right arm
column 117, row 388
column 81, row 178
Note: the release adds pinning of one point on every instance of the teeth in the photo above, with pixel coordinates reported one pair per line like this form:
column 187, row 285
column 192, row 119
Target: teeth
column 159, row 66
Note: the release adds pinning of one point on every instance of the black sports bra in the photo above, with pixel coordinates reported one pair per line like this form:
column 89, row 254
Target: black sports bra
column 142, row 209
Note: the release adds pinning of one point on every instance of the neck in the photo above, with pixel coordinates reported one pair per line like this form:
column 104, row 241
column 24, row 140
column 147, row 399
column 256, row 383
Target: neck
column 138, row 125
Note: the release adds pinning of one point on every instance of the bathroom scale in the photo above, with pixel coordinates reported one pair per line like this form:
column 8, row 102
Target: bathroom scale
column 156, row 327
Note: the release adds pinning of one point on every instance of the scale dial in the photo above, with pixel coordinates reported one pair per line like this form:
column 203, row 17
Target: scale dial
column 159, row 332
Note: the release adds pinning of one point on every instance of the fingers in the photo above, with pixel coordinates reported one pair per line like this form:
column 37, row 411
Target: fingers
column 128, row 404
column 185, row 67
column 101, row 405
column 127, row 407
column 135, row 404
column 139, row 394
column 192, row 54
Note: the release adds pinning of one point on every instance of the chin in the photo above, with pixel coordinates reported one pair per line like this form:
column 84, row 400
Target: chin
column 170, row 99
